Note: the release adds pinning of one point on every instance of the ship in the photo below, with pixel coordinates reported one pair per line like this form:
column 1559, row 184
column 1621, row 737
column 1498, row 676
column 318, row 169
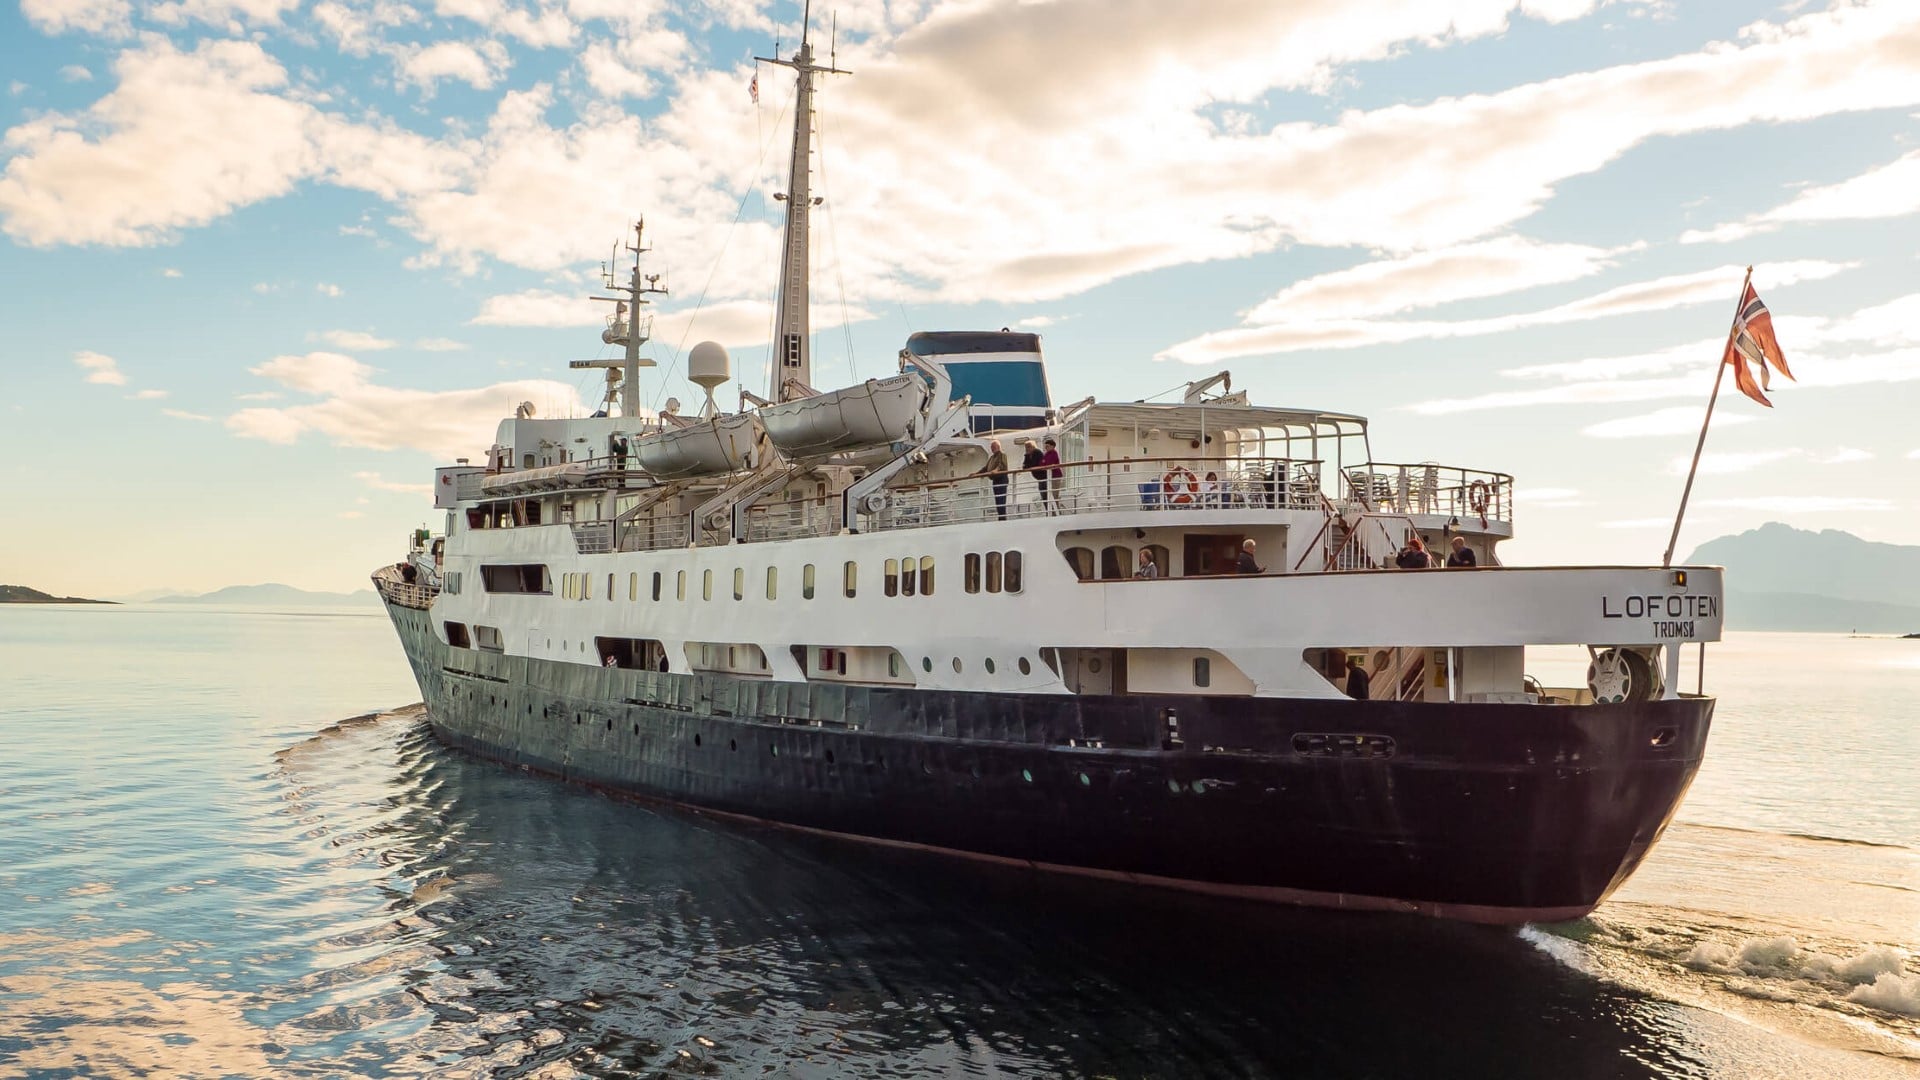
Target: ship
column 1184, row 643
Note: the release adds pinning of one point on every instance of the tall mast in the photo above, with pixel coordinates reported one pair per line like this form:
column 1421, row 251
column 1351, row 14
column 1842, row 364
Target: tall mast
column 627, row 327
column 793, row 362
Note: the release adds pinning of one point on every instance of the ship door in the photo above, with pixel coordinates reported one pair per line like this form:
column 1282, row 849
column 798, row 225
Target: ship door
column 1210, row 553
column 1100, row 671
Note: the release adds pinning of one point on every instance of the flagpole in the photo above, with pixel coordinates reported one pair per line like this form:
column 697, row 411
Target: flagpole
column 1738, row 304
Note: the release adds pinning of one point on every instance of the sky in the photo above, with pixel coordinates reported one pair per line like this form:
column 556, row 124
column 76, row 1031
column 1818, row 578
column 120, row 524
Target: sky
column 267, row 262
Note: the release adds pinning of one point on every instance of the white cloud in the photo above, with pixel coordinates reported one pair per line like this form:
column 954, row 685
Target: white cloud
column 107, row 17
column 1890, row 190
column 1646, row 523
column 179, row 414
column 330, row 290
column 1726, row 462
column 1388, row 287
column 1913, row 455
column 354, row 410
column 171, row 272
column 1844, row 455
column 350, row 514
column 101, row 369
column 546, row 27
column 540, row 307
column 230, row 15
column 439, row 344
column 1659, row 294
column 75, row 73
column 262, row 395
column 375, row 481
column 479, row 64
column 148, row 395
column 355, row 340
column 1678, row 420
column 1803, row 504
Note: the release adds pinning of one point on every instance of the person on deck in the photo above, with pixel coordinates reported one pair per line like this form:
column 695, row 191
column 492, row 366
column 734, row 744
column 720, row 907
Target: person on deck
column 619, row 447
column 1148, row 568
column 996, row 473
column 1461, row 555
column 1051, row 458
column 1413, row 556
column 1358, row 681
column 1246, row 564
column 1031, row 462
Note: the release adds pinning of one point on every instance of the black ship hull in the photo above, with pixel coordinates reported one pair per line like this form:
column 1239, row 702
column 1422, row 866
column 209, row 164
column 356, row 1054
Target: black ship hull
column 1493, row 813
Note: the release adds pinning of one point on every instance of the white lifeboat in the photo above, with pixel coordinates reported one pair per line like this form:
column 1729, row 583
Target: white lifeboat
column 874, row 413
column 719, row 445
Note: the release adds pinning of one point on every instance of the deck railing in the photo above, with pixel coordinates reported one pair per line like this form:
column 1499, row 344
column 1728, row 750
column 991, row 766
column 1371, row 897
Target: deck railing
column 395, row 589
column 1429, row 488
column 1091, row 487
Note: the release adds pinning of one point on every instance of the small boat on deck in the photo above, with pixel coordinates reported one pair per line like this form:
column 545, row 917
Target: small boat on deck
column 873, row 413
column 721, row 444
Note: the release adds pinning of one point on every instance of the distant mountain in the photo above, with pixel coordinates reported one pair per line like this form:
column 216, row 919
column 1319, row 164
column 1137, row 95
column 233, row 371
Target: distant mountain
column 20, row 594
column 1783, row 578
column 273, row 595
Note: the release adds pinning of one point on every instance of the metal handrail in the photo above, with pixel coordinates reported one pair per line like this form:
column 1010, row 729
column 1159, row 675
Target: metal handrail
column 396, row 590
column 1429, row 488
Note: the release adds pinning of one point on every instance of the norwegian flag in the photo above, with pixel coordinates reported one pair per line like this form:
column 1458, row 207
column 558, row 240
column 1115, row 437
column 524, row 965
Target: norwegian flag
column 753, row 88
column 1753, row 340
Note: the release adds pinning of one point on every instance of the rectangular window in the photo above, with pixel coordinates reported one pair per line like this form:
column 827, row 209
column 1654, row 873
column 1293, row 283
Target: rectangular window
column 993, row 571
column 633, row 586
column 926, row 575
column 906, row 576
column 853, row 571
column 516, row 578
column 680, row 585
column 610, row 589
column 706, row 584
column 890, row 578
column 1202, row 673
column 739, row 583
column 826, row 659
column 656, row 584
column 970, row 572
column 773, row 583
column 806, row 582
column 586, row 586
column 457, row 635
column 1013, row 571
column 488, row 638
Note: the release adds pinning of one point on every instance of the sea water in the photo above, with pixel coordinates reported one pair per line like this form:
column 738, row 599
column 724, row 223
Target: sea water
column 205, row 872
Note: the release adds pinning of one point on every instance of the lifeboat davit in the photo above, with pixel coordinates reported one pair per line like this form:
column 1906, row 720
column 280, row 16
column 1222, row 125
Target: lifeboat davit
column 874, row 413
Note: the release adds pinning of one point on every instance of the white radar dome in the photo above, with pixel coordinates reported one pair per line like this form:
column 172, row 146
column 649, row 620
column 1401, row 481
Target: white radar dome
column 708, row 365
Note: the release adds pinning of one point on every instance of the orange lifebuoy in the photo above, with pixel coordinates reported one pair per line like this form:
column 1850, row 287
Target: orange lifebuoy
column 1170, row 484
column 1477, row 493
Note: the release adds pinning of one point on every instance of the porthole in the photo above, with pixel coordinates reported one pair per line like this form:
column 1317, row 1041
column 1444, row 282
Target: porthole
column 829, row 757
column 1173, row 786
column 731, row 745
column 1085, row 780
column 1025, row 667
column 774, row 749
column 956, row 665
column 989, row 664
column 696, row 738
column 636, row 729
column 609, row 723
column 926, row 663
column 1027, row 775
column 1093, row 664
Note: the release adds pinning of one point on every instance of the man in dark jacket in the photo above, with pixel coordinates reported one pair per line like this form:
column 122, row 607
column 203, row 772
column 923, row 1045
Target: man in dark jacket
column 1461, row 555
column 1358, row 681
column 1246, row 564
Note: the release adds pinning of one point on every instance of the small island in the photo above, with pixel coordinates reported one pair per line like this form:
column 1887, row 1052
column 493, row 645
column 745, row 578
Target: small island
column 20, row 594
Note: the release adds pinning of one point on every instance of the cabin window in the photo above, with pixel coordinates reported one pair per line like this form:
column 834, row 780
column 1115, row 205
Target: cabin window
column 806, row 582
column 890, row 579
column 680, row 585
column 773, row 583
column 706, row 584
column 488, row 638
column 853, row 570
column 610, row 589
column 893, row 665
column 457, row 635
column 906, row 576
column 1202, row 671
column 586, row 586
column 970, row 572
column 739, row 583
column 450, row 582
column 520, row 578
column 1115, row 560
column 1013, row 571
column 926, row 575
column 633, row 586
column 993, row 571
column 656, row 584
column 826, row 659
column 1081, row 559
